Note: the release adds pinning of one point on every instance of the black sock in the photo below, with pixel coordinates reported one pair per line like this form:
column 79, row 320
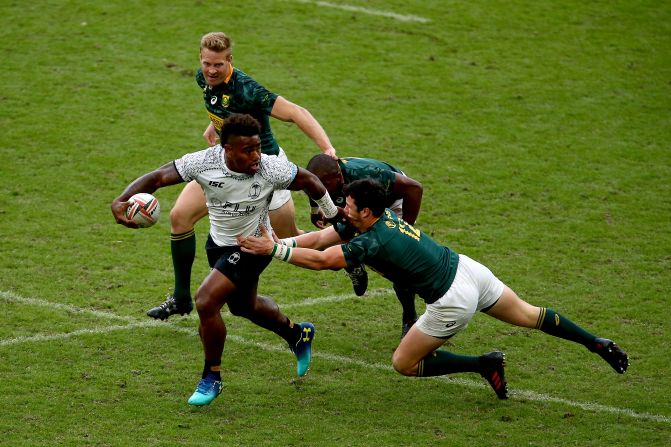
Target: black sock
column 552, row 323
column 406, row 297
column 440, row 362
column 291, row 333
column 183, row 249
column 207, row 369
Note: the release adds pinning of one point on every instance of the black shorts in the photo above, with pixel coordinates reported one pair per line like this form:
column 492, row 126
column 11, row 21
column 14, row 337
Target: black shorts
column 243, row 269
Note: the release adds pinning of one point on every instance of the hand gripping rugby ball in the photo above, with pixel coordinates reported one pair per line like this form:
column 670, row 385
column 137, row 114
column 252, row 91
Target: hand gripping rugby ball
column 144, row 210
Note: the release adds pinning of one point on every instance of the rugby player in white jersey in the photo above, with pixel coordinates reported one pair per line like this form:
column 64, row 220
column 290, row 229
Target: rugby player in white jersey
column 238, row 181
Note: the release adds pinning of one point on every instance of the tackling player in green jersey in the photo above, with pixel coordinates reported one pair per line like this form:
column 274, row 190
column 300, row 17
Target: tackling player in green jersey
column 403, row 196
column 227, row 90
column 453, row 286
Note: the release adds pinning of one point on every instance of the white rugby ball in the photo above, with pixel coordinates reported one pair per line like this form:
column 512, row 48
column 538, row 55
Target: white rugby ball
column 144, row 210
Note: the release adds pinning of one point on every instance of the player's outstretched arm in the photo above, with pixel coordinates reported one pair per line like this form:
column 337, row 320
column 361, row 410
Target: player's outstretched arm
column 332, row 258
column 411, row 192
column 166, row 175
column 317, row 240
column 286, row 110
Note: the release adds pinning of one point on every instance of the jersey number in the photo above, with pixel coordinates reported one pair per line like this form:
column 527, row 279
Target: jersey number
column 408, row 229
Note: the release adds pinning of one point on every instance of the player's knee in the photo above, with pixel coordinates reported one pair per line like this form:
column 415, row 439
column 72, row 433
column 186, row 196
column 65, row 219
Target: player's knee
column 401, row 366
column 206, row 305
column 181, row 220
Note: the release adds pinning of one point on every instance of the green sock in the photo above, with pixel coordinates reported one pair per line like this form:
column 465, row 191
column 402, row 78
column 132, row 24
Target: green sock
column 407, row 299
column 552, row 323
column 183, row 249
column 439, row 363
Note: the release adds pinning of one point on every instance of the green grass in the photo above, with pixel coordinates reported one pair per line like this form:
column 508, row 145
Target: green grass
column 541, row 132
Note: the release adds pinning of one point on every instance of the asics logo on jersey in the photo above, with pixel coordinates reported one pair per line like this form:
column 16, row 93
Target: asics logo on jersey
column 213, row 100
column 450, row 324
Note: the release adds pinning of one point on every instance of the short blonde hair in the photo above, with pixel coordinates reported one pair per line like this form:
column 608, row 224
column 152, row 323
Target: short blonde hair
column 216, row 41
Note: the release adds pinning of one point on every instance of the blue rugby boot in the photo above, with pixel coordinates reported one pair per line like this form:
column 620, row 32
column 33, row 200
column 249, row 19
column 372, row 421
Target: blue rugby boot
column 303, row 348
column 206, row 391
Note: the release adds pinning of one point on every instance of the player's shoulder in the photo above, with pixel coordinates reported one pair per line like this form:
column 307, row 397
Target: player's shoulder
column 271, row 162
column 241, row 77
column 208, row 155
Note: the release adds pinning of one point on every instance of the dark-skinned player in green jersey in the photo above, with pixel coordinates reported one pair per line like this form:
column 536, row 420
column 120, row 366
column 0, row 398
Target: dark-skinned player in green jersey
column 403, row 195
column 453, row 286
column 227, row 90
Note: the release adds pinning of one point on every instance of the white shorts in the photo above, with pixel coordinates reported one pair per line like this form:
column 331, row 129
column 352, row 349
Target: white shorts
column 280, row 197
column 397, row 206
column 474, row 288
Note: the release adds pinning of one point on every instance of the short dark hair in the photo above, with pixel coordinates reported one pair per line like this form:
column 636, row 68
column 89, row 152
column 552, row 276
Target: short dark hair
column 322, row 164
column 367, row 193
column 239, row 124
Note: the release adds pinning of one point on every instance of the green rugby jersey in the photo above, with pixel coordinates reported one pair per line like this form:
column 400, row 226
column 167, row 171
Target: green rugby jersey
column 240, row 94
column 402, row 254
column 355, row 168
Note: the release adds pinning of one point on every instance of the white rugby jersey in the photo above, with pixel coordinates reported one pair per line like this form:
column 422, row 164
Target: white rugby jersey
column 237, row 203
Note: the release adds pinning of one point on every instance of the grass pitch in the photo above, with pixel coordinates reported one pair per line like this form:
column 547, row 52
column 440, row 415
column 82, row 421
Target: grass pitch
column 540, row 130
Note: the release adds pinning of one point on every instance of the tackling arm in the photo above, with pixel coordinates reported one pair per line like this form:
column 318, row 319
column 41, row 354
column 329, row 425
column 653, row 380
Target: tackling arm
column 332, row 258
column 317, row 240
column 411, row 192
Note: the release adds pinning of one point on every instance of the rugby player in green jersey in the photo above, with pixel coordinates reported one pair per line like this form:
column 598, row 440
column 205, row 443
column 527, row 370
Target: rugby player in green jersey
column 403, row 196
column 453, row 286
column 228, row 90
column 237, row 180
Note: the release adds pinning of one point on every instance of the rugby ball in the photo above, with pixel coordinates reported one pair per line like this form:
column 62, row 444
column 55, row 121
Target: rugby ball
column 144, row 210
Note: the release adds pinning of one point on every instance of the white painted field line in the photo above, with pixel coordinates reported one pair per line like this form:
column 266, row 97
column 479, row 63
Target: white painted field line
column 9, row 296
column 65, row 335
column 369, row 11
column 134, row 323
column 337, row 298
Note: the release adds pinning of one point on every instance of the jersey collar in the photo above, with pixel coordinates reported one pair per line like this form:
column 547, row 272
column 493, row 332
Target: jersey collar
column 230, row 73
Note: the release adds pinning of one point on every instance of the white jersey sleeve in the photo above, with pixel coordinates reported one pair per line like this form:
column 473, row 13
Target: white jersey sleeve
column 278, row 171
column 190, row 165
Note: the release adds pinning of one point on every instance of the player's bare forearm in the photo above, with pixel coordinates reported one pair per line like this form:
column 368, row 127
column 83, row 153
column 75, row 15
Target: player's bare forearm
column 285, row 110
column 329, row 259
column 411, row 192
column 319, row 240
column 166, row 175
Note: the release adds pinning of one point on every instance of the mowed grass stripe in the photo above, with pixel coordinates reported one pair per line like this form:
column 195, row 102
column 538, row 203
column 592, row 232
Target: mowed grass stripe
column 336, row 358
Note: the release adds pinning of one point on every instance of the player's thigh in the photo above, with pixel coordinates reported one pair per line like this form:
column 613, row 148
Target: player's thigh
column 189, row 208
column 512, row 309
column 413, row 348
column 283, row 219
